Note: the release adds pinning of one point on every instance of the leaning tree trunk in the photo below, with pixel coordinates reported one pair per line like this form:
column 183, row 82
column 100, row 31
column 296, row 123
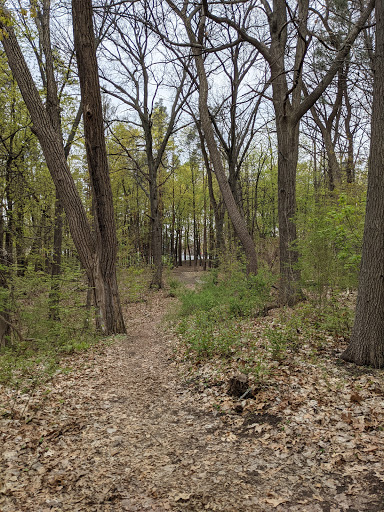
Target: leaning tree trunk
column 234, row 212
column 52, row 145
column 103, row 277
column 367, row 340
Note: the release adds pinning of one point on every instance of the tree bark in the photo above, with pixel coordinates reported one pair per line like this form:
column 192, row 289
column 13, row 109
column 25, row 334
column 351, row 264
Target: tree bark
column 156, row 236
column 367, row 341
column 52, row 145
column 288, row 143
column 103, row 277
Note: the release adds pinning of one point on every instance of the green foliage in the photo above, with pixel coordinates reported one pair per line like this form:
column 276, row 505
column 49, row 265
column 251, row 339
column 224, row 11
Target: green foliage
column 175, row 287
column 280, row 338
column 46, row 340
column 211, row 316
column 333, row 318
column 134, row 283
column 228, row 293
column 207, row 338
column 330, row 237
column 258, row 367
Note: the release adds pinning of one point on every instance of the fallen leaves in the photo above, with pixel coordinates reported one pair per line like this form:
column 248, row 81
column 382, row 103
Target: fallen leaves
column 182, row 496
column 123, row 433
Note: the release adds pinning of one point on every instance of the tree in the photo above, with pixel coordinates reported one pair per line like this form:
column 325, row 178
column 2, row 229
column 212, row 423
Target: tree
column 104, row 282
column 367, row 341
column 288, row 28
column 196, row 37
column 136, row 76
column 96, row 255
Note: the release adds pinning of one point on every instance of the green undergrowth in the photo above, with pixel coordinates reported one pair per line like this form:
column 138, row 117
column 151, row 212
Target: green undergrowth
column 227, row 293
column 224, row 320
column 39, row 346
column 211, row 318
column 45, row 335
column 134, row 283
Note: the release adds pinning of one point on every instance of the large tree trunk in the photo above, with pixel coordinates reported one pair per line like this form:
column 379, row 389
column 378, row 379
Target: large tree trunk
column 52, row 145
column 367, row 341
column 103, row 277
column 288, row 143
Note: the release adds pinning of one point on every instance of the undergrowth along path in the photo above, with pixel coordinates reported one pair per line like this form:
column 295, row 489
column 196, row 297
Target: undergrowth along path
column 124, row 432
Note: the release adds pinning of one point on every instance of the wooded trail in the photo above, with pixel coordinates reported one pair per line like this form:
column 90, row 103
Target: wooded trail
column 124, row 432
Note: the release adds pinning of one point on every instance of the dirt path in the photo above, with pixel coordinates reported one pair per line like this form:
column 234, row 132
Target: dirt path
column 122, row 433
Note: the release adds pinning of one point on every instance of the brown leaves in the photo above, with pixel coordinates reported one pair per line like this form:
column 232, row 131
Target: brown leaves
column 131, row 430
column 356, row 398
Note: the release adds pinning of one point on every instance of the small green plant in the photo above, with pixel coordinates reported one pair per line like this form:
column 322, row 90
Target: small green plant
column 332, row 317
column 206, row 338
column 258, row 368
column 175, row 287
column 278, row 342
column 281, row 337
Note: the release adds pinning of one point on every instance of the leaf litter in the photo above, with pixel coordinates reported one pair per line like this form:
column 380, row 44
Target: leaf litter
column 136, row 426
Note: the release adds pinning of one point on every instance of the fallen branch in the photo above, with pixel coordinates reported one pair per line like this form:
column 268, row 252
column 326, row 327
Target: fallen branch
column 17, row 331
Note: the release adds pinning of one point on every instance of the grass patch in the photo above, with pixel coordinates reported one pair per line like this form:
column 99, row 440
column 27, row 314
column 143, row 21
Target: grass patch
column 210, row 318
column 227, row 294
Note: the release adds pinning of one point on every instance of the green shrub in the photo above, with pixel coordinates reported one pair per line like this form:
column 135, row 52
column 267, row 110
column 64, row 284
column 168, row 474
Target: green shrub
column 329, row 242
column 226, row 294
column 210, row 315
column 45, row 337
column 206, row 338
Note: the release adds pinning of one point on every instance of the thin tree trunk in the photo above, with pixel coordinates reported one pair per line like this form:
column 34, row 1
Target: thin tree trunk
column 56, row 261
column 156, row 239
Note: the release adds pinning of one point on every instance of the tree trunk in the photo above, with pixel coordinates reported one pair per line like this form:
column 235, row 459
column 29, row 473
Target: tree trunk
column 288, row 141
column 5, row 326
column 103, row 277
column 156, row 239
column 54, row 296
column 180, row 256
column 367, row 340
column 52, row 145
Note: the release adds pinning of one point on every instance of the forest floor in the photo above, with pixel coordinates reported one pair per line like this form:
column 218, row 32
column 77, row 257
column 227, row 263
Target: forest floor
column 132, row 426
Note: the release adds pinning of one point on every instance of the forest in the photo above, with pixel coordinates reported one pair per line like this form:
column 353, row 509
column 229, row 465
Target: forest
column 191, row 255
